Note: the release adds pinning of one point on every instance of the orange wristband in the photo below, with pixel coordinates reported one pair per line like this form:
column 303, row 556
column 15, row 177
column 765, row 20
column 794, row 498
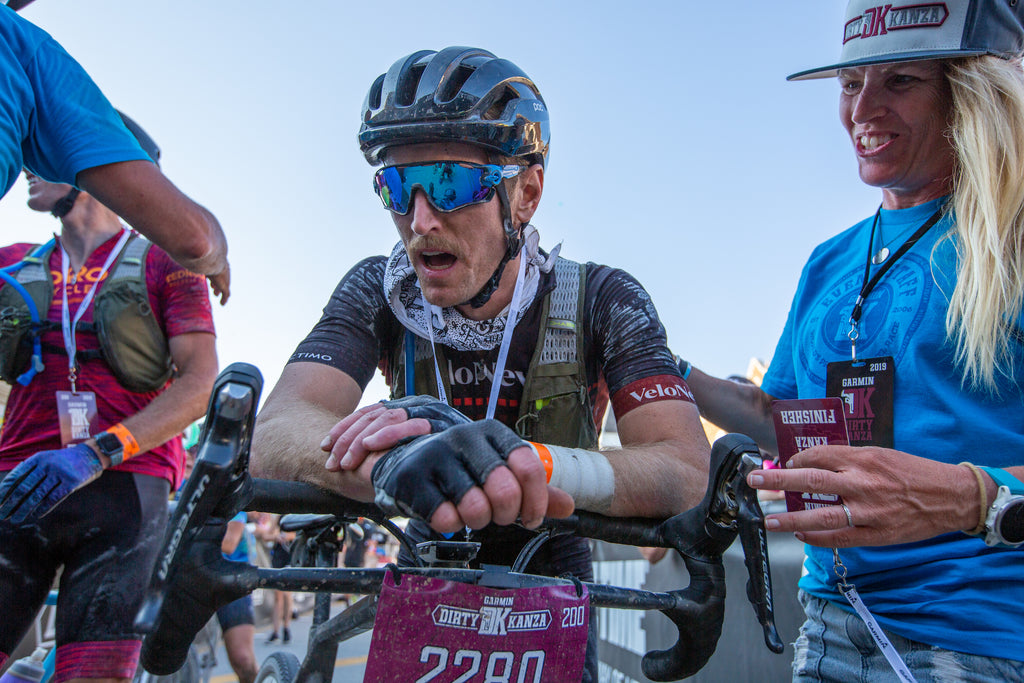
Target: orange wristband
column 128, row 442
column 545, row 457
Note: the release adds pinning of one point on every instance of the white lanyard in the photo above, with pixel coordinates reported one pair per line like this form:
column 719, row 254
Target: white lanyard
column 67, row 324
column 506, row 341
column 849, row 592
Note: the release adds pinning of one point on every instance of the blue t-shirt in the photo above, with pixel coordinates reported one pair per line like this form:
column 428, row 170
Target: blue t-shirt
column 241, row 552
column 951, row 591
column 53, row 120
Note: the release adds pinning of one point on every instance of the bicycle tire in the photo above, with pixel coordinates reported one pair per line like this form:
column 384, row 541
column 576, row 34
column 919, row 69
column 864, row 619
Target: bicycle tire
column 279, row 667
column 188, row 673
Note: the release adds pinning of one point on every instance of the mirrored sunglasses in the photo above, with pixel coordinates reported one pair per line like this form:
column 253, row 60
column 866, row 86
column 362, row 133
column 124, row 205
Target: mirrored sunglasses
column 448, row 185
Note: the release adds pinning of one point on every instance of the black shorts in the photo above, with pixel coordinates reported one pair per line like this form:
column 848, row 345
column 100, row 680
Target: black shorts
column 107, row 536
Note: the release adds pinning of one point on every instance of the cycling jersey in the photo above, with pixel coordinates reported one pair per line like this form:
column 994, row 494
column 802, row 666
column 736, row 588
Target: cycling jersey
column 624, row 355
column 950, row 591
column 180, row 304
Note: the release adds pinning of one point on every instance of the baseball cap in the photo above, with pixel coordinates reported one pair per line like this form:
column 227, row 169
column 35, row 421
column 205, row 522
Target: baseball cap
column 882, row 33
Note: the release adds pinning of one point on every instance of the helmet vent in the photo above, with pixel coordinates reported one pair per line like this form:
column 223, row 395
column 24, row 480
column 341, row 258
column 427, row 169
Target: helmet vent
column 452, row 85
column 497, row 107
column 405, row 93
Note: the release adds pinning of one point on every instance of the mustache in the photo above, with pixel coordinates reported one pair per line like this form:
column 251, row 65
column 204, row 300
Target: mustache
column 418, row 245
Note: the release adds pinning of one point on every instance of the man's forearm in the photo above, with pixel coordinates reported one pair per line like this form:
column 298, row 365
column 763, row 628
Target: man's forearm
column 286, row 446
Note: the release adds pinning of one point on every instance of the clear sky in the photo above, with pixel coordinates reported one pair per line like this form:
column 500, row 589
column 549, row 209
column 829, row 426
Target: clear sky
column 679, row 151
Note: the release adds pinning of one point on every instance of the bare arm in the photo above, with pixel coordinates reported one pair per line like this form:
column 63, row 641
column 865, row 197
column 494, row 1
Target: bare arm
column 662, row 467
column 145, row 198
column 232, row 537
column 308, row 400
column 735, row 407
column 184, row 401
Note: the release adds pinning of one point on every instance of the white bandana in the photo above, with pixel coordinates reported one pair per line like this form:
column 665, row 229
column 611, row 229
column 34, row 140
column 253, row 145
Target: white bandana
column 450, row 327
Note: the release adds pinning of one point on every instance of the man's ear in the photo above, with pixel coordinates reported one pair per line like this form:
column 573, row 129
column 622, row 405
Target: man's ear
column 529, row 188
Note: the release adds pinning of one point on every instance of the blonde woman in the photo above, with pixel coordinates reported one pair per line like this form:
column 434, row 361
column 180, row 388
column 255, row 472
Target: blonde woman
column 912, row 317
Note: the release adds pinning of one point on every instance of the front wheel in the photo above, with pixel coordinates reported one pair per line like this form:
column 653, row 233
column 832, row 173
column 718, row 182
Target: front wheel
column 279, row 667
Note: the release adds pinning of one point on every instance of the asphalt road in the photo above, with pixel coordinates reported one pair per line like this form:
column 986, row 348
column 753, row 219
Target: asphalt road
column 350, row 664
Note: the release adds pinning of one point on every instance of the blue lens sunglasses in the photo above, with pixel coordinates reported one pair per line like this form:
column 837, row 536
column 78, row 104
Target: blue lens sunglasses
column 448, row 185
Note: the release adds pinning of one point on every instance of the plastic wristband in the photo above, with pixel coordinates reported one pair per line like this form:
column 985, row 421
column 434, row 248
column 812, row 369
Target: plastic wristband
column 128, row 442
column 983, row 508
column 545, row 457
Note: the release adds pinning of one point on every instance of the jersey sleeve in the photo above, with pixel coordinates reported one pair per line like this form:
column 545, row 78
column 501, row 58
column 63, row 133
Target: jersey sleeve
column 630, row 342
column 355, row 320
column 180, row 296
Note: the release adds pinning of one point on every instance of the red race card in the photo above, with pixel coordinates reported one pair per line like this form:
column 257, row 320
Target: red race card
column 803, row 423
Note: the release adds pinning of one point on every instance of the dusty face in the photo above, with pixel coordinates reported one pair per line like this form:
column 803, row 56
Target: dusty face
column 44, row 195
column 454, row 253
column 897, row 116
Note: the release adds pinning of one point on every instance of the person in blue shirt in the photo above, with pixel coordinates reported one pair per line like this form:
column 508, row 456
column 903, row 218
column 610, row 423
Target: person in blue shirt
column 913, row 318
column 55, row 122
column 236, row 619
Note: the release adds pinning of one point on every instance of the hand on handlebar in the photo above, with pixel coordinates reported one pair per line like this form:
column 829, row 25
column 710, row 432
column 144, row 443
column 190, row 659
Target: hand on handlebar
column 384, row 425
column 468, row 475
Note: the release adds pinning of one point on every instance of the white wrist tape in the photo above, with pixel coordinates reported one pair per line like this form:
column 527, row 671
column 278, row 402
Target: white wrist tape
column 585, row 475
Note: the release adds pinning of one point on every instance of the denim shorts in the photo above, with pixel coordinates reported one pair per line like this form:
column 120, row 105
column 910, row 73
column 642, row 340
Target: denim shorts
column 835, row 645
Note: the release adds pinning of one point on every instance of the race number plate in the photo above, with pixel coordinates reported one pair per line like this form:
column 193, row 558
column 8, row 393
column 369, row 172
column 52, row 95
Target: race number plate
column 447, row 632
column 800, row 424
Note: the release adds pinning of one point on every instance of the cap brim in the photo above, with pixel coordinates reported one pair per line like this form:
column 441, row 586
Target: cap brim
column 829, row 71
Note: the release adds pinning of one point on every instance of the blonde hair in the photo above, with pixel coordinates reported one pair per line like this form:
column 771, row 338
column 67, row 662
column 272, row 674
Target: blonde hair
column 987, row 133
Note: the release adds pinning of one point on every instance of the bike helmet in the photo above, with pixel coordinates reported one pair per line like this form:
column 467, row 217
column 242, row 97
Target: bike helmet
column 147, row 143
column 460, row 94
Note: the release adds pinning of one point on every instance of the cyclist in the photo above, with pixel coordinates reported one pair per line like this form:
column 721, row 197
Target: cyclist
column 463, row 138
column 90, row 447
column 55, row 122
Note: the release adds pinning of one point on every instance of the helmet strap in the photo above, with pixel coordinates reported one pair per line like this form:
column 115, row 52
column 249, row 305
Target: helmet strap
column 513, row 244
column 64, row 205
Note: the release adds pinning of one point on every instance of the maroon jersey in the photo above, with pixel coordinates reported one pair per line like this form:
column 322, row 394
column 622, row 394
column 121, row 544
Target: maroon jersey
column 180, row 303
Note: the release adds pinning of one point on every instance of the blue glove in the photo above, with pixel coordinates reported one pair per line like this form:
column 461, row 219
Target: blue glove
column 39, row 484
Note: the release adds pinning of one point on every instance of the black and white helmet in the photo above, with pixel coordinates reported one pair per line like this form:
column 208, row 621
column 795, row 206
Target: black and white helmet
column 460, row 94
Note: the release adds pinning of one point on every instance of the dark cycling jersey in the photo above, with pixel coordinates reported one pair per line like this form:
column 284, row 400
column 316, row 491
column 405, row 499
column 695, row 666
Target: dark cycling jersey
column 624, row 353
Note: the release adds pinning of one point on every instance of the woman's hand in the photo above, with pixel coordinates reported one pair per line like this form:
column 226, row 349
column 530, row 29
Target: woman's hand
column 892, row 497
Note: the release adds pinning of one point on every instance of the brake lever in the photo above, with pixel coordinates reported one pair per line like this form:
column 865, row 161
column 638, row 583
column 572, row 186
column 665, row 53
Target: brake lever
column 701, row 535
column 213, row 493
column 753, row 538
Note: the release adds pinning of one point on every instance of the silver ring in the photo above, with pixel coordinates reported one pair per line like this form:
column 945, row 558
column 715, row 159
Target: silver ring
column 849, row 517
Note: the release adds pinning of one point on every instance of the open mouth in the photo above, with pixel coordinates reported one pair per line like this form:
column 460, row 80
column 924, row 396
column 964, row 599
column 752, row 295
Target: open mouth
column 438, row 260
column 869, row 143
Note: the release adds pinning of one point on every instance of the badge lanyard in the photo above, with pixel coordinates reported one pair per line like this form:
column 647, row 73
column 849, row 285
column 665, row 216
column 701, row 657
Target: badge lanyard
column 68, row 324
column 506, row 341
column 848, row 590
column 869, row 284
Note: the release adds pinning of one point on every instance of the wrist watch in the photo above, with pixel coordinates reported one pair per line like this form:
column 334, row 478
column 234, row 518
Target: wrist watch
column 1004, row 525
column 110, row 446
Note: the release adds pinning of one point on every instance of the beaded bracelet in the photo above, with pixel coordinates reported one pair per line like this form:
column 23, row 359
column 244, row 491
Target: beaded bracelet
column 983, row 509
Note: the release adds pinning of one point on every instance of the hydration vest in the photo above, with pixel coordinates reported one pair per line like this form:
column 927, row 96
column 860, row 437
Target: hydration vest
column 555, row 407
column 130, row 339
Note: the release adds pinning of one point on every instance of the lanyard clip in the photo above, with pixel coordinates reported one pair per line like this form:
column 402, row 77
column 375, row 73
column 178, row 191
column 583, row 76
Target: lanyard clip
column 839, row 568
